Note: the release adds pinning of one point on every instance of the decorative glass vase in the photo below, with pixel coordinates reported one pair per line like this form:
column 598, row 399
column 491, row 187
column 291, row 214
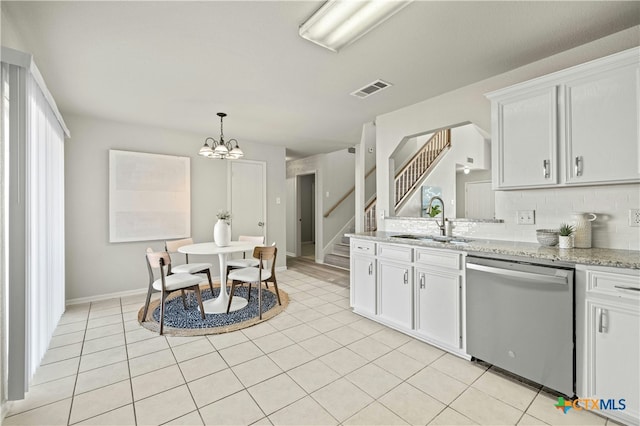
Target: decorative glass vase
column 222, row 233
column 565, row 241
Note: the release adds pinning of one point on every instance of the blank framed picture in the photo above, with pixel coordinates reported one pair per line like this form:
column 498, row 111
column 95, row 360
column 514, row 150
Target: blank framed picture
column 149, row 196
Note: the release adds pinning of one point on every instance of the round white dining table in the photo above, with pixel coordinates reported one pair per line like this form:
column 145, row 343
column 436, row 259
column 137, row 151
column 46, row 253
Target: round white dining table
column 219, row 304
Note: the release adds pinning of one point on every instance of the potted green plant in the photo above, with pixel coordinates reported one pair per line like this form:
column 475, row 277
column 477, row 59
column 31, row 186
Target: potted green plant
column 566, row 236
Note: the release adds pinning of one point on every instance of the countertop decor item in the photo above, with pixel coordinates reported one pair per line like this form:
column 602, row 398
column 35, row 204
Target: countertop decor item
column 566, row 236
column 582, row 229
column 222, row 229
column 547, row 237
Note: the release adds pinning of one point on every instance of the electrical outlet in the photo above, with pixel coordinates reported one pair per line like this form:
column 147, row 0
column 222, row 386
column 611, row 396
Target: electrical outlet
column 526, row 217
column 634, row 217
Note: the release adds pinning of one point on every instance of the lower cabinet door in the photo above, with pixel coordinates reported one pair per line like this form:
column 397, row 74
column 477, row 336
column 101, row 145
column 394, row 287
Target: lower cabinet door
column 613, row 351
column 363, row 292
column 395, row 283
column 438, row 306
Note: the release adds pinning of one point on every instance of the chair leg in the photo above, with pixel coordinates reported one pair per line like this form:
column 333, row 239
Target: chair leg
column 249, row 293
column 208, row 272
column 146, row 305
column 199, row 296
column 275, row 284
column 260, row 300
column 184, row 302
column 162, row 298
column 233, row 289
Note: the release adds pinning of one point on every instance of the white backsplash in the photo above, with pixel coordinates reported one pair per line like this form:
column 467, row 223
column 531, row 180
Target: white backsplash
column 552, row 207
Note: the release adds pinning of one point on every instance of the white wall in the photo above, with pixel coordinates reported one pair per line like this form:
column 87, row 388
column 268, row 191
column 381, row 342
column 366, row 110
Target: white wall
column 96, row 267
column 468, row 104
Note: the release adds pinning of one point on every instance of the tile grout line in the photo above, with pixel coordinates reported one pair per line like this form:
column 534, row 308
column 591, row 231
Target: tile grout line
column 126, row 351
column 75, row 383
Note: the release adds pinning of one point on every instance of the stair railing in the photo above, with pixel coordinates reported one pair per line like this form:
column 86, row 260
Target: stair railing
column 345, row 196
column 410, row 175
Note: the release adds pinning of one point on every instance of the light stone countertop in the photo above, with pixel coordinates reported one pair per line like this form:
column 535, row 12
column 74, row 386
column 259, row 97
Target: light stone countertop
column 594, row 256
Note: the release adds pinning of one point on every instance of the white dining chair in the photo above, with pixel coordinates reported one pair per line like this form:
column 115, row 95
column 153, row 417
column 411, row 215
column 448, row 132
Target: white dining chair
column 188, row 268
column 264, row 272
column 245, row 262
column 167, row 284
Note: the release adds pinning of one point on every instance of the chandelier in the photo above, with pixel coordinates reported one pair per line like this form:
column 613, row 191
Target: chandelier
column 221, row 149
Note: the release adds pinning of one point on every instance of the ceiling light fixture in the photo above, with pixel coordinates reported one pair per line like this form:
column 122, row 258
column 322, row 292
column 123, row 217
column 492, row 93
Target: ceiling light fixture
column 221, row 149
column 339, row 23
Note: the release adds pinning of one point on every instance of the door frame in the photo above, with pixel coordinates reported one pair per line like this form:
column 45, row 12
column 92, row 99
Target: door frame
column 317, row 215
column 264, row 190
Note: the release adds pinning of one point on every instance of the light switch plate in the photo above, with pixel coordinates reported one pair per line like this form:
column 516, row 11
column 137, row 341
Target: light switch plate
column 526, row 217
column 634, row 217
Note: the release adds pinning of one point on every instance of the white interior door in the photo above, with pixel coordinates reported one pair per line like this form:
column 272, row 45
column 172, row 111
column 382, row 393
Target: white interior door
column 479, row 200
column 247, row 198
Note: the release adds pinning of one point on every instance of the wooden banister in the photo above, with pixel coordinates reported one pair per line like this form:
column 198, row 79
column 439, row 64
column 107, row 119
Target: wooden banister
column 345, row 196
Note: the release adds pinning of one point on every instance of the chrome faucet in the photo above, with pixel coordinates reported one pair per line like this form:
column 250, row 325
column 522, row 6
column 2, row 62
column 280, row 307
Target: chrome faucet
column 441, row 226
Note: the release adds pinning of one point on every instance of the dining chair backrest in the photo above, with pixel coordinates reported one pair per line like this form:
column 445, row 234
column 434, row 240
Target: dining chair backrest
column 158, row 259
column 265, row 253
column 251, row 239
column 173, row 246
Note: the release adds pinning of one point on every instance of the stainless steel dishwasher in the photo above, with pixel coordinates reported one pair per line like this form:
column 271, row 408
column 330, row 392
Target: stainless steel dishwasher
column 520, row 318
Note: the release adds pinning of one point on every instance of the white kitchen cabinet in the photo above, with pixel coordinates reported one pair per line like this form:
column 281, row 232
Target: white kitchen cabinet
column 395, row 286
column 526, row 139
column 608, row 339
column 578, row 126
column 438, row 299
column 601, row 112
column 363, row 277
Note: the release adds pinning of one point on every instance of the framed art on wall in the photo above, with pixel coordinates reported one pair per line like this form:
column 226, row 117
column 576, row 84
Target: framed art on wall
column 149, row 196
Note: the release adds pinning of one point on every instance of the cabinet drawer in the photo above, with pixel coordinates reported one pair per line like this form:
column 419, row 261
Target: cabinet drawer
column 363, row 247
column 393, row 252
column 613, row 284
column 439, row 258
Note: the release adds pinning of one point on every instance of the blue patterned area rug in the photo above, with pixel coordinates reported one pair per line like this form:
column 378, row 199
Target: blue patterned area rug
column 179, row 321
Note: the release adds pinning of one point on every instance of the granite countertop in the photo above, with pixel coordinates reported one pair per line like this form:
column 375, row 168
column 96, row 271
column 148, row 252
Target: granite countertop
column 594, row 256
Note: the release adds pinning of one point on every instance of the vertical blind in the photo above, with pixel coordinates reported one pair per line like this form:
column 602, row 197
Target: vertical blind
column 45, row 223
column 33, row 186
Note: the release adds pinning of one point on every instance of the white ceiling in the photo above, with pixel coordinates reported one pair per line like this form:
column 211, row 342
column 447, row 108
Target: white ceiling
column 175, row 64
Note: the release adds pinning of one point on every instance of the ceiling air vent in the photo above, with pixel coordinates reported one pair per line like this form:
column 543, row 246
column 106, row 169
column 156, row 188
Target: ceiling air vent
column 371, row 88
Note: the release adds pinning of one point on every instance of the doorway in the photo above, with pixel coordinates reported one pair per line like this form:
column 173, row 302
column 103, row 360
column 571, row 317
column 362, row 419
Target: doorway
column 480, row 200
column 306, row 212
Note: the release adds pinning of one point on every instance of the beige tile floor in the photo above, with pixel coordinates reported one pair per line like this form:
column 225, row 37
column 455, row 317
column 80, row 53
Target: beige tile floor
column 317, row 363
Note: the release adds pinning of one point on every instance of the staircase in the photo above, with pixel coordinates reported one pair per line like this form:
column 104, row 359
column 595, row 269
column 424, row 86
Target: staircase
column 406, row 182
column 340, row 255
column 408, row 178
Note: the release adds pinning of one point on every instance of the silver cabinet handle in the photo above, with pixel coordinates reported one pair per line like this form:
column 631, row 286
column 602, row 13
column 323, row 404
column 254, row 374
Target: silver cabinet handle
column 406, row 276
column 370, row 268
column 422, row 284
column 625, row 287
column 545, row 168
column 602, row 327
column 362, row 248
column 578, row 166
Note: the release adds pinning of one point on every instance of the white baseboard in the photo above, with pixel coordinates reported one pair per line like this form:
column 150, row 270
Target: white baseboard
column 126, row 293
column 99, row 297
column 291, row 254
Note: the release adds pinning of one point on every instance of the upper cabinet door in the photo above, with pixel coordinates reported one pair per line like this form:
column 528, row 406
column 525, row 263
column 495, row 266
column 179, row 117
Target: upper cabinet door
column 526, row 139
column 601, row 127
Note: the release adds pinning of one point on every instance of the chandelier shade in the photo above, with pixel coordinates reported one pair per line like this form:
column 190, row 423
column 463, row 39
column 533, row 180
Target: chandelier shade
column 220, row 148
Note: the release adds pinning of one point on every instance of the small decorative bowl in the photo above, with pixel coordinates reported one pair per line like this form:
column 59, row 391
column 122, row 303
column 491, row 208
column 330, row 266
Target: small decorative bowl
column 547, row 237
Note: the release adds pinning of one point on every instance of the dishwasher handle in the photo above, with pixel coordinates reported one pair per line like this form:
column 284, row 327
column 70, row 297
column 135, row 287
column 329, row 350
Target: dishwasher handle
column 549, row 279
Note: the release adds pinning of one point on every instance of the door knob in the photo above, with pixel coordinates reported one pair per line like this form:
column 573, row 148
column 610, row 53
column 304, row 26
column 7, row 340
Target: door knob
column 260, row 223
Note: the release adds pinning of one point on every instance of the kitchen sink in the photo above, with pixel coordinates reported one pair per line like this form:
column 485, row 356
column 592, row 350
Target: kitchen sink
column 434, row 238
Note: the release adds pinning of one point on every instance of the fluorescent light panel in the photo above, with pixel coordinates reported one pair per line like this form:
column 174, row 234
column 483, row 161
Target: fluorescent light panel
column 339, row 23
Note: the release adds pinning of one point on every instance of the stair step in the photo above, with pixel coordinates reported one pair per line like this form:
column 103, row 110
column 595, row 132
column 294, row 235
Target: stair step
column 337, row 260
column 341, row 248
